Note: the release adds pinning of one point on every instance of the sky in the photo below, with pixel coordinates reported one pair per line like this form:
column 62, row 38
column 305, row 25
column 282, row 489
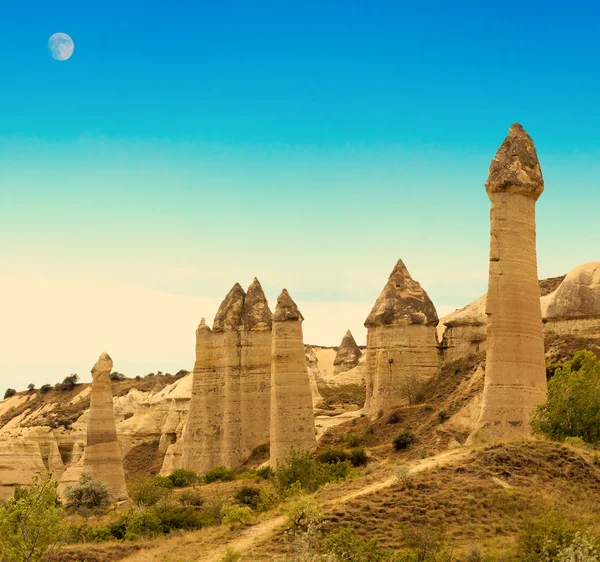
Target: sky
column 186, row 146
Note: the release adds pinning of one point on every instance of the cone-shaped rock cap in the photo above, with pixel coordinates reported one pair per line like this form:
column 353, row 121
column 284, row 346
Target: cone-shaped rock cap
column 402, row 301
column 202, row 327
column 103, row 365
column 515, row 168
column 348, row 352
column 229, row 315
column 286, row 308
column 256, row 312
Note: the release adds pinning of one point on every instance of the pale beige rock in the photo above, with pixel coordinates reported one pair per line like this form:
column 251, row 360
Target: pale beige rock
column 312, row 367
column 464, row 331
column 20, row 461
column 348, row 354
column 402, row 344
column 102, row 457
column 292, row 418
column 515, row 378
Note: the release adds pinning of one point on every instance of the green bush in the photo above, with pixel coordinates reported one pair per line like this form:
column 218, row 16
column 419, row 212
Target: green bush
column 248, row 495
column 150, row 491
column 89, row 496
column 302, row 471
column 266, row 472
column 236, row 515
column 174, row 517
column 45, row 388
column 31, row 523
column 348, row 546
column 9, row 392
column 115, row 376
column 302, row 512
column 219, row 473
column 182, row 478
column 352, row 440
column 141, row 523
column 358, row 457
column 573, row 405
column 69, row 382
column 545, row 537
column 190, row 498
column 404, row 440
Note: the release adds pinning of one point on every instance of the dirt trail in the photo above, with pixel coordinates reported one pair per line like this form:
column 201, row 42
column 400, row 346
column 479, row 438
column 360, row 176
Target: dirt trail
column 252, row 535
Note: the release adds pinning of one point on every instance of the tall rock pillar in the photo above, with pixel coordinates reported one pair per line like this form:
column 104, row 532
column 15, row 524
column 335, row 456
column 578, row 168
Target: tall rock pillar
column 515, row 374
column 103, row 458
column 292, row 418
column 402, row 342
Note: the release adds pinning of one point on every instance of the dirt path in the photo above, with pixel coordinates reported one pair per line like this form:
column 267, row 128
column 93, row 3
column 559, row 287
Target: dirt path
column 254, row 534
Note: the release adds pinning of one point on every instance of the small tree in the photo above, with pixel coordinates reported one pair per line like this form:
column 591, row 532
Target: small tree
column 31, row 523
column 411, row 388
column 69, row 382
column 45, row 388
column 9, row 392
column 115, row 376
column 31, row 387
column 89, row 496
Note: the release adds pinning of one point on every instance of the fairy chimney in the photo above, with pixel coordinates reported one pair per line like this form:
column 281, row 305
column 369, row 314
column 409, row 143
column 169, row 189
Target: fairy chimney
column 292, row 419
column 348, row 354
column 515, row 374
column 402, row 346
column 102, row 458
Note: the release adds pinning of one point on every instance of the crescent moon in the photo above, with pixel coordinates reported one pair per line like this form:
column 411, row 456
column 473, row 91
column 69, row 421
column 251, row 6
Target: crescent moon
column 61, row 46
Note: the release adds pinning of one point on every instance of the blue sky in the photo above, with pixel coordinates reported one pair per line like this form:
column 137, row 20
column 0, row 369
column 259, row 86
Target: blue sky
column 189, row 145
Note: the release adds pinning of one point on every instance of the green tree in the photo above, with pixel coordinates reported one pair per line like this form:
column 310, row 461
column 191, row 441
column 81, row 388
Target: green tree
column 573, row 405
column 9, row 392
column 89, row 496
column 31, row 523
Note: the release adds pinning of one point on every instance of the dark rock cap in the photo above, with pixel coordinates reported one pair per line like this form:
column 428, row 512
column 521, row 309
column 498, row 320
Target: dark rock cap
column 256, row 312
column 286, row 308
column 229, row 315
column 516, row 168
column 349, row 352
column 402, row 301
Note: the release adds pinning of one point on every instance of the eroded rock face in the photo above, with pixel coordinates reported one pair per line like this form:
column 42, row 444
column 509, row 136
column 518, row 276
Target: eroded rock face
column 515, row 378
column 348, row 354
column 229, row 409
column 20, row 461
column 292, row 418
column 465, row 331
column 102, row 458
column 402, row 344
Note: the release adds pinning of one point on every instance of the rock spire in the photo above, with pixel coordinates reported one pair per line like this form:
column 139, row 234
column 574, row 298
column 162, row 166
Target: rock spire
column 348, row 354
column 515, row 375
column 292, row 418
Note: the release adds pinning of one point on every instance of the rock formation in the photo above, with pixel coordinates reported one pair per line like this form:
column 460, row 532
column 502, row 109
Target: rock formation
column 229, row 409
column 102, row 457
column 20, row 461
column 348, row 354
column 312, row 367
column 465, row 331
column 515, row 378
column 402, row 347
column 292, row 419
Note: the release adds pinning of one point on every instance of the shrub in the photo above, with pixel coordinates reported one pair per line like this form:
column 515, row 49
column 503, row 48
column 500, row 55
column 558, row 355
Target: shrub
column 45, row 388
column 302, row 472
column 190, row 498
column 231, row 555
column 546, row 536
column 181, row 373
column 174, row 517
column 69, row 382
column 443, row 416
column 219, row 473
column 9, row 392
column 573, row 405
column 31, row 387
column 138, row 378
column 140, row 523
column 236, row 515
column 348, row 546
column 266, row 472
column 150, row 491
column 302, row 512
column 358, row 457
column 394, row 417
column 404, row 476
column 89, row 496
column 583, row 549
column 411, row 388
column 248, row 495
column 34, row 508
column 182, row 478
column 404, row 440
column 58, row 386
column 352, row 440
column 115, row 376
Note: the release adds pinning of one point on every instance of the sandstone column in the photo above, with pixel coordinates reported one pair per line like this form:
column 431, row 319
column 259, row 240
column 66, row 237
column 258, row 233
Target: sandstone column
column 348, row 354
column 292, row 418
column 102, row 452
column 402, row 342
column 515, row 375
column 255, row 385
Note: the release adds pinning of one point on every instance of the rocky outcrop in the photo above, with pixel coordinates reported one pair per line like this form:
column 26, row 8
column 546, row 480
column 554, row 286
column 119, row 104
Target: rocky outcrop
column 402, row 347
column 465, row 331
column 102, row 458
column 574, row 308
column 292, row 419
column 229, row 409
column 20, row 461
column 312, row 367
column 515, row 377
column 348, row 354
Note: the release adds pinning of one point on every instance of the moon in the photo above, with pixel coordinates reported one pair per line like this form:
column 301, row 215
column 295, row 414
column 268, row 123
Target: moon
column 61, row 46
